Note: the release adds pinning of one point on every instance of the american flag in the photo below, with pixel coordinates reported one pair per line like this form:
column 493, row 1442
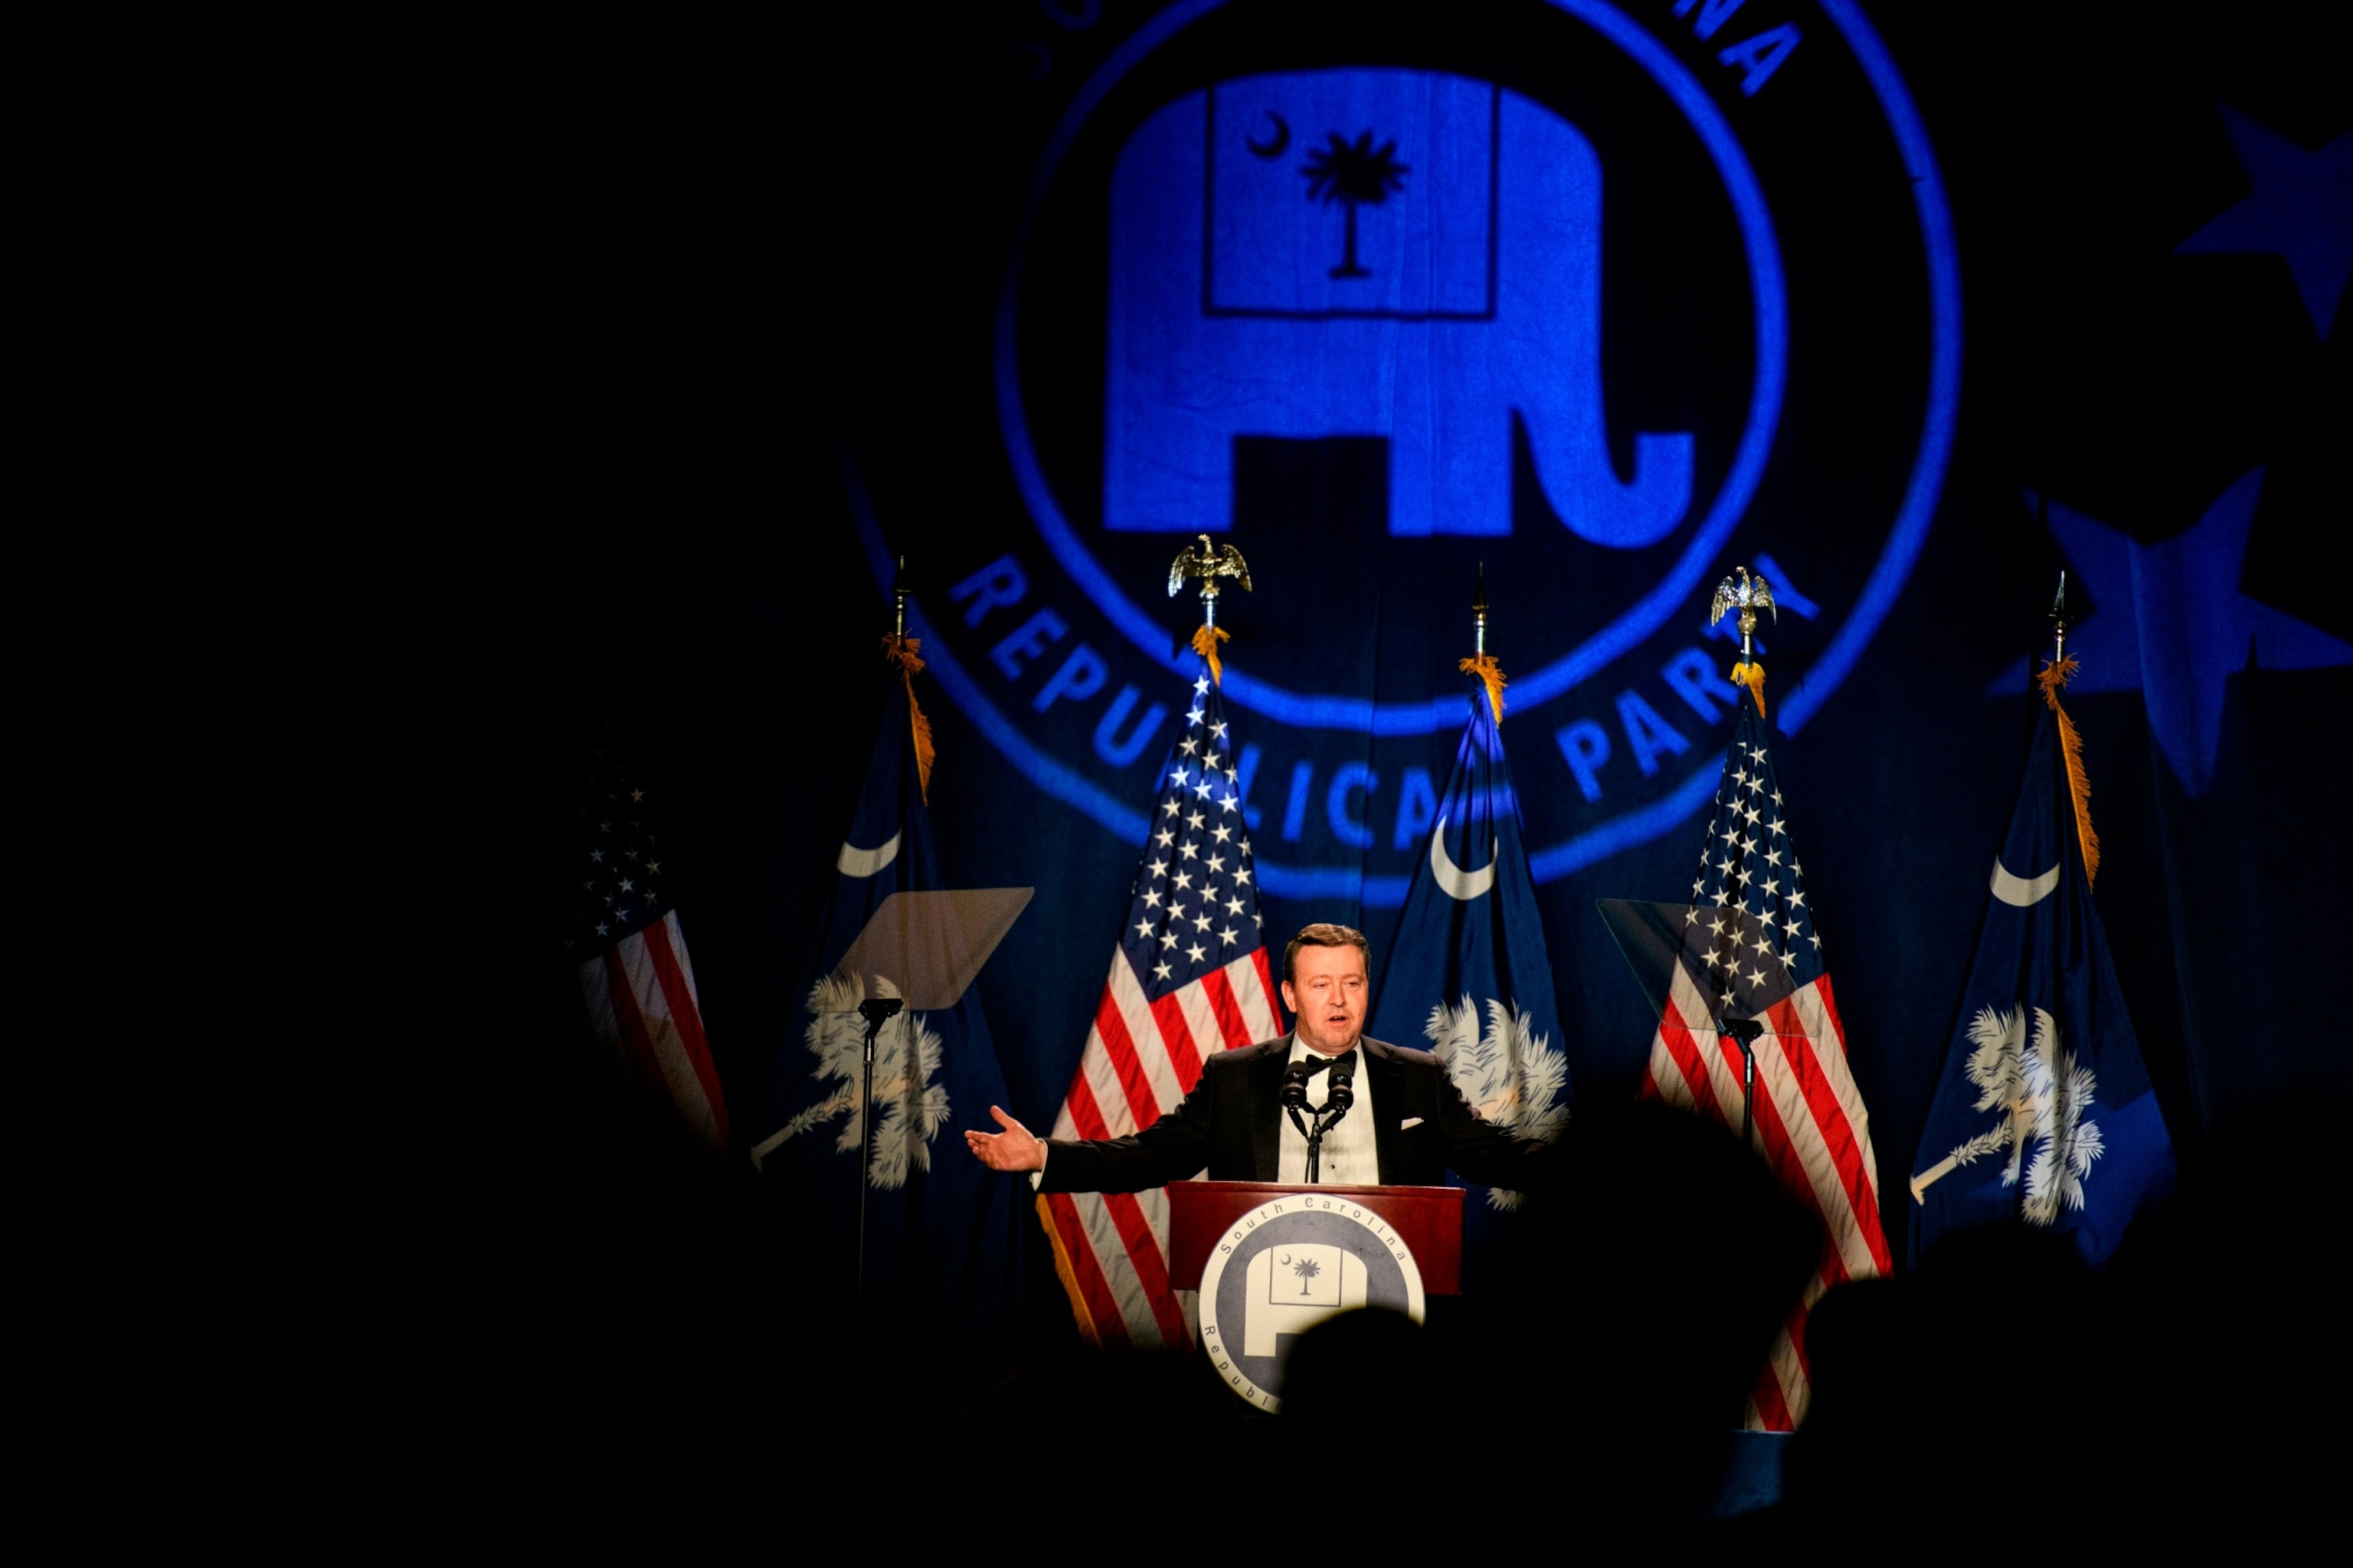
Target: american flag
column 636, row 980
column 1749, row 951
column 1189, row 976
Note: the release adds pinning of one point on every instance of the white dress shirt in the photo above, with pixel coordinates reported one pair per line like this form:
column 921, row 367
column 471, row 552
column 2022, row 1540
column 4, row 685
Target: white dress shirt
column 1351, row 1153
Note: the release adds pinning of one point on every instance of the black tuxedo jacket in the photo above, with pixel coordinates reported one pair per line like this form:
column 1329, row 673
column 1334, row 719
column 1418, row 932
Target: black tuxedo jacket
column 1232, row 1124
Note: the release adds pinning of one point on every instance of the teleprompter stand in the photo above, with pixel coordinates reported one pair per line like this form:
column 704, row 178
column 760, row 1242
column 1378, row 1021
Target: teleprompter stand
column 920, row 952
column 1663, row 942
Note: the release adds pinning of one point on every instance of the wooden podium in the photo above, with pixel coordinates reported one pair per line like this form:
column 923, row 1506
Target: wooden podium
column 1428, row 1220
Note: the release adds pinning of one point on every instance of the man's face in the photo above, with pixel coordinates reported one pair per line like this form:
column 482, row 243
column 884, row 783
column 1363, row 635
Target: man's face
column 1327, row 997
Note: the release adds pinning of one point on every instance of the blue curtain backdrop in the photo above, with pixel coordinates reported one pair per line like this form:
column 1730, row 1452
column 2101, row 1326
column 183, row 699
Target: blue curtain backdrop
column 1846, row 312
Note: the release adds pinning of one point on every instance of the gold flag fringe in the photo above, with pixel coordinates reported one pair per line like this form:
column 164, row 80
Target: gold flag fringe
column 1204, row 643
column 1069, row 1275
column 1487, row 669
column 2052, row 680
column 902, row 654
column 1751, row 676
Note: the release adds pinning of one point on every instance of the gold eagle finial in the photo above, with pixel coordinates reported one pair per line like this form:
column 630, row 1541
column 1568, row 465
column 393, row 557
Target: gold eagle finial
column 1748, row 595
column 1207, row 563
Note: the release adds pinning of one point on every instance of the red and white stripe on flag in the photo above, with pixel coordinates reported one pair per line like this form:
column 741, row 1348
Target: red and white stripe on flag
column 641, row 1003
column 1142, row 1057
column 1813, row 1132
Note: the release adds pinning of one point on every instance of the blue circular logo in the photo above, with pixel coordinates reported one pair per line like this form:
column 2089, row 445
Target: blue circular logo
column 1387, row 323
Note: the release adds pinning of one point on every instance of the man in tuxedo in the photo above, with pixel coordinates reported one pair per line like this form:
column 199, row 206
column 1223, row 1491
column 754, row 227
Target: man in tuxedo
column 1407, row 1127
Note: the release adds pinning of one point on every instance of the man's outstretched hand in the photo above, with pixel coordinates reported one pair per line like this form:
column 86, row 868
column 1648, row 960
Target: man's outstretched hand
column 1012, row 1150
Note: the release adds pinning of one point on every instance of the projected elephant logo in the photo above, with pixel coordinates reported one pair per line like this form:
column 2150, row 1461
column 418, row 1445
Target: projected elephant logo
column 1423, row 266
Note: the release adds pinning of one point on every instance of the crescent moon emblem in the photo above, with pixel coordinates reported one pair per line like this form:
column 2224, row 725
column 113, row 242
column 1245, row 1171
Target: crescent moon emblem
column 2019, row 891
column 1284, row 1260
column 855, row 862
column 1453, row 880
column 1281, row 138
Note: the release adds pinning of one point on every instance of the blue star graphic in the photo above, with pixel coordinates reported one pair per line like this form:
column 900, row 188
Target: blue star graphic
column 2172, row 623
column 2301, row 210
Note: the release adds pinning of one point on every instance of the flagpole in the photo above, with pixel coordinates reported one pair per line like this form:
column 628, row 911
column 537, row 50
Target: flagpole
column 877, row 1011
column 1746, row 594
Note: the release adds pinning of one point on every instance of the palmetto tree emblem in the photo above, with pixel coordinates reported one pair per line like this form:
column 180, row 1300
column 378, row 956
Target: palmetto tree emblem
column 1307, row 1268
column 2040, row 1093
column 911, row 1108
column 1357, row 175
column 1511, row 1074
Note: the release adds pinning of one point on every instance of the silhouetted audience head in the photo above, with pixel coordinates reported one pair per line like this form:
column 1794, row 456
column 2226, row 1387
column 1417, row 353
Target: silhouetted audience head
column 1921, row 1382
column 1622, row 1325
column 2002, row 1391
column 1363, row 1373
column 2194, row 1387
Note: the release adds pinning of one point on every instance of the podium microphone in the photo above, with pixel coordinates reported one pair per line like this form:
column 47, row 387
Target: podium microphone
column 1343, row 1092
column 1338, row 1096
column 1294, row 1089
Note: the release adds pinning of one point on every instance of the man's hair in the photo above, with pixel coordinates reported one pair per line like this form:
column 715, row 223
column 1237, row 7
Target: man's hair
column 1324, row 935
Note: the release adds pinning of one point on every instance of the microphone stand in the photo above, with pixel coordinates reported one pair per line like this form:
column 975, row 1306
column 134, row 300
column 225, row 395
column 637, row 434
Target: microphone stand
column 1745, row 1031
column 1337, row 1099
column 877, row 1011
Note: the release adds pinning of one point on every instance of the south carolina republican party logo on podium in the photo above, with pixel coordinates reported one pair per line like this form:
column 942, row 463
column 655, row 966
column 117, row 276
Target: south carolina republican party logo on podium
column 1285, row 1266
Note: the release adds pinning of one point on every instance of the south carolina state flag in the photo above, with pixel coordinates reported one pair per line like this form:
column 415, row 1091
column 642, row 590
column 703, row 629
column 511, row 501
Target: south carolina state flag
column 939, row 1238
column 1468, row 978
column 2043, row 1114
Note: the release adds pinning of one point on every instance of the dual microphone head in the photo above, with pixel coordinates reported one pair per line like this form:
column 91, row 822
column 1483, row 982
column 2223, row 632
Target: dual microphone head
column 1338, row 1095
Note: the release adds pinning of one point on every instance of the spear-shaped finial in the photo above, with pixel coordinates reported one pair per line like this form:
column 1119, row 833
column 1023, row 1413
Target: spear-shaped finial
column 2059, row 619
column 905, row 656
column 1482, row 663
column 2053, row 680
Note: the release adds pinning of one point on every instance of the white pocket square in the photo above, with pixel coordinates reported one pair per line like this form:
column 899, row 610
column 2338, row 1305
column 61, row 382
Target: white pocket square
column 1407, row 1122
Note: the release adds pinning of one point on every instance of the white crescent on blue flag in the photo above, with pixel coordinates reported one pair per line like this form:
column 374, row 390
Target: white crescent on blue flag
column 939, row 1250
column 2043, row 1114
column 1468, row 978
